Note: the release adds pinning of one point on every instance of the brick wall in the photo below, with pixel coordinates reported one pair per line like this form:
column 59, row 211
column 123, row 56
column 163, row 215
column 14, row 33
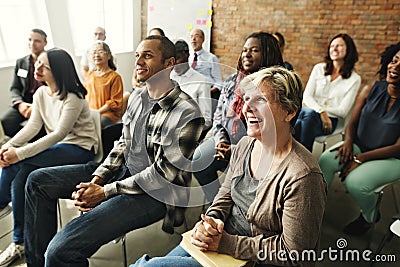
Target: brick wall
column 307, row 25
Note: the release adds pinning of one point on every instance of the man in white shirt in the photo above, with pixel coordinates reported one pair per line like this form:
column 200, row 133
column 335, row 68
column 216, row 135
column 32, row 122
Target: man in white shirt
column 86, row 60
column 192, row 82
column 206, row 63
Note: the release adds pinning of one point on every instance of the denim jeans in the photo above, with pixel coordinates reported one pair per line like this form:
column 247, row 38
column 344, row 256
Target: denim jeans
column 205, row 167
column 178, row 257
column 84, row 235
column 309, row 125
column 13, row 178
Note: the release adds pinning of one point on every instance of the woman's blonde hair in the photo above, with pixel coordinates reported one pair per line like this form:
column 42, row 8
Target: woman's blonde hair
column 286, row 84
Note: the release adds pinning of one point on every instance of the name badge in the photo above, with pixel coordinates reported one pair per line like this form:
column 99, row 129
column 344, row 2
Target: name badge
column 22, row 73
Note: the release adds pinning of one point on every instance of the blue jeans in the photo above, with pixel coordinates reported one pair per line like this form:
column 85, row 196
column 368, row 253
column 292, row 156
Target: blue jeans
column 83, row 236
column 13, row 178
column 178, row 257
column 309, row 125
column 205, row 168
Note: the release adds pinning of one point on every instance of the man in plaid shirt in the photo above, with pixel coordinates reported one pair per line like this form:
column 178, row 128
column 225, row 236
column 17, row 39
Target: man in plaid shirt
column 145, row 177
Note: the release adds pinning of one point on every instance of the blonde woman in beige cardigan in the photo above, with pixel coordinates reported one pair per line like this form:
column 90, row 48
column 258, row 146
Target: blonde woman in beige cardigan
column 273, row 197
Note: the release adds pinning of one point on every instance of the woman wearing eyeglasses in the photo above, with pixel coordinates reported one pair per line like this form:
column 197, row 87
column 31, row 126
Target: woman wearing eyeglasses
column 104, row 85
column 60, row 107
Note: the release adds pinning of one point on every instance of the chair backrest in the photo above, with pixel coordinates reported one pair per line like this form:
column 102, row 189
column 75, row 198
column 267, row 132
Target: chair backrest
column 338, row 130
column 395, row 227
column 97, row 125
column 341, row 124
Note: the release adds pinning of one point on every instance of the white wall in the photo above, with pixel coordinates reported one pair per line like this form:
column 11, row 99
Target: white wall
column 125, row 64
column 6, row 76
column 62, row 38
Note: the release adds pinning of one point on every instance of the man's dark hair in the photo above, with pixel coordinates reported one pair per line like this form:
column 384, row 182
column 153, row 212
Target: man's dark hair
column 159, row 30
column 181, row 46
column 41, row 32
column 166, row 47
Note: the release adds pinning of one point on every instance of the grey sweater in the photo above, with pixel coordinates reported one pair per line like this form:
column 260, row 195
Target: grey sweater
column 286, row 214
column 67, row 121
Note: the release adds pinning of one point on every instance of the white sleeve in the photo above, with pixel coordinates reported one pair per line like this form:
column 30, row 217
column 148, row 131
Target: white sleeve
column 309, row 92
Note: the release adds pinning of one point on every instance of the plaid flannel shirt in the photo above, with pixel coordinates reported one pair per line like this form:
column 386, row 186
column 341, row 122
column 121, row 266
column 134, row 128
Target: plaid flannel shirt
column 173, row 130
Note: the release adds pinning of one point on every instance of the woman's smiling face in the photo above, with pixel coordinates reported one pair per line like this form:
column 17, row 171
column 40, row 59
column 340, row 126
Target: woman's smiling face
column 262, row 112
column 393, row 70
column 251, row 55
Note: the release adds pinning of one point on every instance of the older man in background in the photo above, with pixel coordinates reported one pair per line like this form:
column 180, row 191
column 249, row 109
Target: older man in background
column 206, row 63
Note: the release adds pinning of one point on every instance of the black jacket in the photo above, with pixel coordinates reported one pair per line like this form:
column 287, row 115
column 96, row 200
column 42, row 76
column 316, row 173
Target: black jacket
column 20, row 85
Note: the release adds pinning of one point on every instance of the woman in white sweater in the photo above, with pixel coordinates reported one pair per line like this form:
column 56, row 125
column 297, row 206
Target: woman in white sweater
column 60, row 107
column 330, row 92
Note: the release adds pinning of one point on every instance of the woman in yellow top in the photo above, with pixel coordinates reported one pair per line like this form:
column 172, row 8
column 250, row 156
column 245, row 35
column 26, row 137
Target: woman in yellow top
column 104, row 85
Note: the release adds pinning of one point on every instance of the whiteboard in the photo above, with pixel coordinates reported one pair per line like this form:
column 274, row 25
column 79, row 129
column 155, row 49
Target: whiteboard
column 178, row 17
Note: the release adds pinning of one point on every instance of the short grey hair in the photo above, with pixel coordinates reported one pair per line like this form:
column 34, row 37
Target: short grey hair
column 286, row 84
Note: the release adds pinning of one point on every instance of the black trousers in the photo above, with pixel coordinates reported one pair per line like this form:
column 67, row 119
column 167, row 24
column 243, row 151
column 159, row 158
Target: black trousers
column 11, row 122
